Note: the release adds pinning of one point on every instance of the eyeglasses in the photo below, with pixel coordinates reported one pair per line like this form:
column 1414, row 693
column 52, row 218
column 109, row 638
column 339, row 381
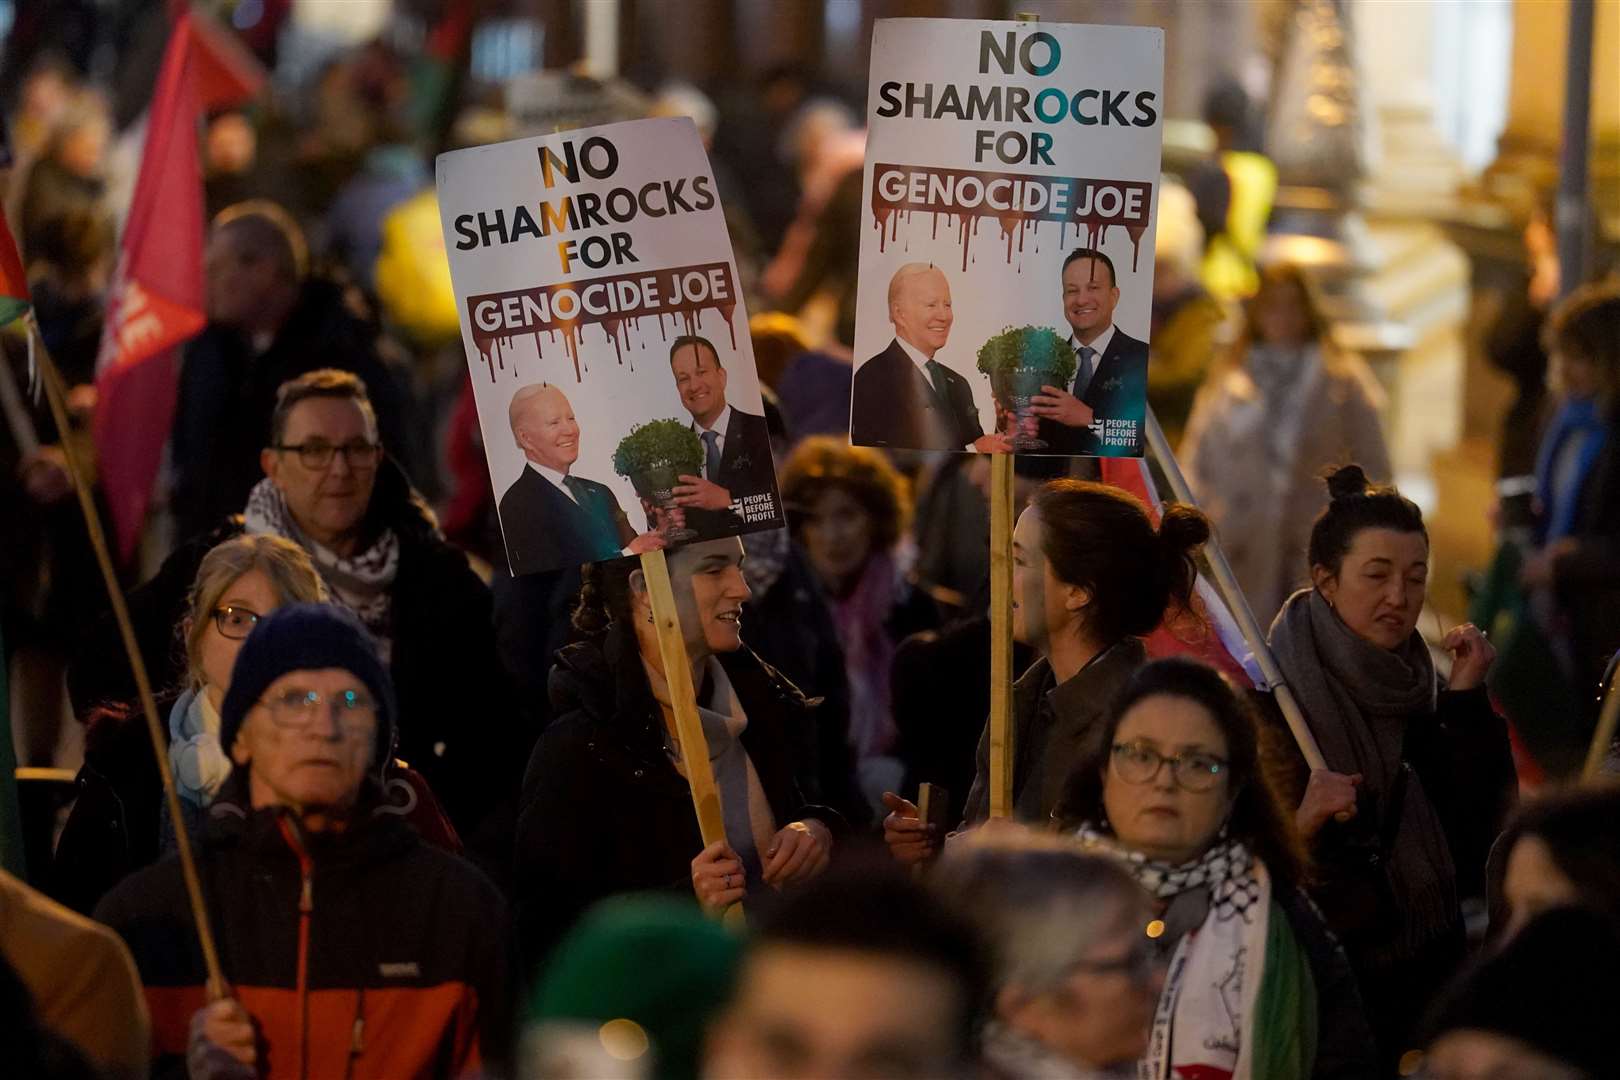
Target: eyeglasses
column 235, row 623
column 296, row 709
column 1137, row 763
column 318, row 454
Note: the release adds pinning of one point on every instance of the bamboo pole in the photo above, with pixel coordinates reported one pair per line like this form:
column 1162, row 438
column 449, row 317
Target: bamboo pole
column 1001, row 639
column 1227, row 584
column 694, row 748
column 55, row 394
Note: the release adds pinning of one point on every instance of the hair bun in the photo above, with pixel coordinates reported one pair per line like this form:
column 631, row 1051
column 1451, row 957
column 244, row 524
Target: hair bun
column 1182, row 529
column 1347, row 481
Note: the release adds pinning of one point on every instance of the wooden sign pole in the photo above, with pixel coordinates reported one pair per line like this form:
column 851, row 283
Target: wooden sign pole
column 1001, row 636
column 694, row 747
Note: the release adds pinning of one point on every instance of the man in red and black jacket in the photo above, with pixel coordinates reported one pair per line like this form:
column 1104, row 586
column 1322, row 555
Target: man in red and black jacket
column 353, row 949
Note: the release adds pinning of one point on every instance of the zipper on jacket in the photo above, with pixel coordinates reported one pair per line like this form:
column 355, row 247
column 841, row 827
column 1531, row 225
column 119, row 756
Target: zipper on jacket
column 306, row 907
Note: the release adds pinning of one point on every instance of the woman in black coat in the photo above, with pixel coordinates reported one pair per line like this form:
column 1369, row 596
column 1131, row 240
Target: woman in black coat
column 606, row 808
column 1418, row 767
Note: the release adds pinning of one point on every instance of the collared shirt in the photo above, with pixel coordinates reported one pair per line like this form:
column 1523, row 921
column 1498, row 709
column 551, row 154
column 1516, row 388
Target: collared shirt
column 721, row 423
column 917, row 358
column 1099, row 345
column 556, row 479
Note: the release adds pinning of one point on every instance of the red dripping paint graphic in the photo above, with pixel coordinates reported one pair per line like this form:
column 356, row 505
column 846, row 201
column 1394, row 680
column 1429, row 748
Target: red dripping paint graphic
column 617, row 304
column 1092, row 206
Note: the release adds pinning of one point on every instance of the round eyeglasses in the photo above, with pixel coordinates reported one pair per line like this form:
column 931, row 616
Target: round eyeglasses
column 1138, row 763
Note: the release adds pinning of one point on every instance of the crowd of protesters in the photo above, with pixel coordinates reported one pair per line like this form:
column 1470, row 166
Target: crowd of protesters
column 441, row 815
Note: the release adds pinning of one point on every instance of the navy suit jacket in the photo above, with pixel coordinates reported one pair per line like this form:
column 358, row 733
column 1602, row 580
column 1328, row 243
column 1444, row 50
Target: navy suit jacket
column 546, row 530
column 895, row 405
column 1117, row 391
column 746, row 468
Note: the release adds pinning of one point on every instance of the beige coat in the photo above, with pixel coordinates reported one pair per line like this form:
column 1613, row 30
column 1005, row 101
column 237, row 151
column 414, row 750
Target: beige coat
column 1255, row 453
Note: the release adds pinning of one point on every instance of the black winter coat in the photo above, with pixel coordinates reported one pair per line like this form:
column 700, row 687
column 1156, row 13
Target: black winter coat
column 1462, row 757
column 790, row 627
column 604, row 810
column 458, row 722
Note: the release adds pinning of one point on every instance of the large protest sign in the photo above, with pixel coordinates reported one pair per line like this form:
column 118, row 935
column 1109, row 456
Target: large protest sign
column 996, row 151
column 608, row 343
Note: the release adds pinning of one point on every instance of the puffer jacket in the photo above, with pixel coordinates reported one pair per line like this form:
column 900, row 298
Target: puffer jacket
column 363, row 953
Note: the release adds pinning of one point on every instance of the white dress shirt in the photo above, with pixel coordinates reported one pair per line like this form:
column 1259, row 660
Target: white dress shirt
column 1099, row 345
column 721, row 423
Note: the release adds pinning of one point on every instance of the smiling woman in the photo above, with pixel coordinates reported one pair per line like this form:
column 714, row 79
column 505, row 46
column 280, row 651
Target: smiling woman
column 605, row 806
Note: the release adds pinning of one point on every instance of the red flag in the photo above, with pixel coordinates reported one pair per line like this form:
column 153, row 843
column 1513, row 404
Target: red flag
column 156, row 300
column 227, row 72
column 14, row 298
column 1207, row 631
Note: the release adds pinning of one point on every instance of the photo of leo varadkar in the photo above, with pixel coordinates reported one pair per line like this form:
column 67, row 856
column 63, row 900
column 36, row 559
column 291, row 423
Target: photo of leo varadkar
column 1110, row 377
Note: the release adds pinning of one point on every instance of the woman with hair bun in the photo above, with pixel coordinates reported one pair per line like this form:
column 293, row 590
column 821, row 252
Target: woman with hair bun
column 1419, row 765
column 1091, row 578
column 606, row 808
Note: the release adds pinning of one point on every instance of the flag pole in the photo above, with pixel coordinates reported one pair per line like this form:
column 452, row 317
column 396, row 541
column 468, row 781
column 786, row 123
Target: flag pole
column 55, row 394
column 1226, row 582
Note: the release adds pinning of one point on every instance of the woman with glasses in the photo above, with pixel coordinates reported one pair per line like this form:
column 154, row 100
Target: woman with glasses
column 1091, row 578
column 239, row 582
column 1075, row 976
column 1174, row 785
column 119, row 820
column 1419, row 770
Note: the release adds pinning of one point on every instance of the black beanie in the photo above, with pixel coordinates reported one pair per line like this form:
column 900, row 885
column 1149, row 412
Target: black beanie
column 1543, row 988
column 307, row 637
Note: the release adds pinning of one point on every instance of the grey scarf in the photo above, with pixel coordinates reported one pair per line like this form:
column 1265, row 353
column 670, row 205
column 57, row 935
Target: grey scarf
column 362, row 582
column 1358, row 700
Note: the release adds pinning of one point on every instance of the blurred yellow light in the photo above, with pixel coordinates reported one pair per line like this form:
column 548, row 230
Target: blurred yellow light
column 623, row 1039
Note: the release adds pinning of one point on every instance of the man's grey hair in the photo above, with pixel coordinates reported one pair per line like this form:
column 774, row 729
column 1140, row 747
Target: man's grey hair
column 1039, row 900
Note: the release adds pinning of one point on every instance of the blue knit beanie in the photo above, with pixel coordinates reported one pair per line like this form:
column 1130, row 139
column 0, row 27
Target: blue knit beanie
column 307, row 637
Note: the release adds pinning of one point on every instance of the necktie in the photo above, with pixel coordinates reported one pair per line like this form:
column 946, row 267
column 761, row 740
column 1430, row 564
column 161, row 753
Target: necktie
column 1082, row 376
column 711, row 456
column 936, row 375
column 577, row 490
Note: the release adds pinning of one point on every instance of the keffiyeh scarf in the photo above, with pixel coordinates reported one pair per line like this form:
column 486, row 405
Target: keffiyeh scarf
column 1238, row 1000
column 363, row 582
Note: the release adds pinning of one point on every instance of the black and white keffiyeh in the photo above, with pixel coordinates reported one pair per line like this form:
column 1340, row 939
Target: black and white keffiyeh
column 363, row 583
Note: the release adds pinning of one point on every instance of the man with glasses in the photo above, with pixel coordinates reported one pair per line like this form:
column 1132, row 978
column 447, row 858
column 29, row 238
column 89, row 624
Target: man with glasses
column 330, row 489
column 350, row 946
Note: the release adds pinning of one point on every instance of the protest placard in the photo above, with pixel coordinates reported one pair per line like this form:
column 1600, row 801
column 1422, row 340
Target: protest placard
column 1004, row 294
column 608, row 343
